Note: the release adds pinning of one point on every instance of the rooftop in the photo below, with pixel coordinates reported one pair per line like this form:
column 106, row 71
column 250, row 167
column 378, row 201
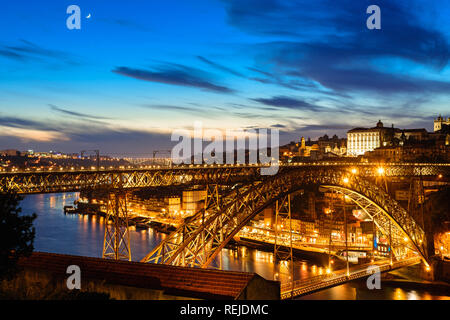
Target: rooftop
column 182, row 281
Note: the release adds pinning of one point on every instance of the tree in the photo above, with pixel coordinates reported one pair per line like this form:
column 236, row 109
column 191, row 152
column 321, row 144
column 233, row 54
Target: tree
column 16, row 234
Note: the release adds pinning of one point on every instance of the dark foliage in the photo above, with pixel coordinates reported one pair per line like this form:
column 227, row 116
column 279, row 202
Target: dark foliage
column 438, row 206
column 16, row 234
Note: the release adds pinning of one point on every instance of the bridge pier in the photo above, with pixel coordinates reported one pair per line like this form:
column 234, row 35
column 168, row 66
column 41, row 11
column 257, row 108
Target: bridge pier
column 116, row 242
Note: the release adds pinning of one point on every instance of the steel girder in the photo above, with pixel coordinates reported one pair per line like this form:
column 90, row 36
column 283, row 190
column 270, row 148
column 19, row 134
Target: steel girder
column 69, row 181
column 390, row 218
column 199, row 240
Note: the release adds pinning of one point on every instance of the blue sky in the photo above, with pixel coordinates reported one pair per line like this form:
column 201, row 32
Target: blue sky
column 139, row 69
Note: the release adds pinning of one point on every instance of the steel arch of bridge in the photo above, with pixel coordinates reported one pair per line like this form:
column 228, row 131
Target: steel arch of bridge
column 200, row 239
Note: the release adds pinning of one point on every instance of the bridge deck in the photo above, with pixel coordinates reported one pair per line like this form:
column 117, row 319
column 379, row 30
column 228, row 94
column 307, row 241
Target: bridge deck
column 27, row 182
column 310, row 285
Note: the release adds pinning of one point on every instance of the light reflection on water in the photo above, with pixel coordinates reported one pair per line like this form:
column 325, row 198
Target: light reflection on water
column 83, row 235
column 358, row 291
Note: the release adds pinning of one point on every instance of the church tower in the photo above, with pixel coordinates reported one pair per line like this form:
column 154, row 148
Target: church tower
column 438, row 123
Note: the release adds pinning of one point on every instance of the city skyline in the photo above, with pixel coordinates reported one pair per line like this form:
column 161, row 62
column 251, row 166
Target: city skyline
column 137, row 71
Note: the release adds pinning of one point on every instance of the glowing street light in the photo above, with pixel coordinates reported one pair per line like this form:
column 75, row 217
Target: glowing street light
column 345, row 180
column 380, row 171
column 354, row 171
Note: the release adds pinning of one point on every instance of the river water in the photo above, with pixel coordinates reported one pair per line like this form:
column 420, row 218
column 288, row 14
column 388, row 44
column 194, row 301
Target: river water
column 83, row 235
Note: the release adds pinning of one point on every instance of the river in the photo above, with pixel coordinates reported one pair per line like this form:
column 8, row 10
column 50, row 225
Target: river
column 83, row 235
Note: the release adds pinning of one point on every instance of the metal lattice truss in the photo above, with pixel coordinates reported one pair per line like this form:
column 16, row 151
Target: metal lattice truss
column 68, row 181
column 116, row 243
column 282, row 250
column 390, row 218
column 200, row 239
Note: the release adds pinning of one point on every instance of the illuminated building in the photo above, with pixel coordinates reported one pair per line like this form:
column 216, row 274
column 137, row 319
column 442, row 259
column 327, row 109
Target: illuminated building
column 193, row 200
column 361, row 140
column 439, row 122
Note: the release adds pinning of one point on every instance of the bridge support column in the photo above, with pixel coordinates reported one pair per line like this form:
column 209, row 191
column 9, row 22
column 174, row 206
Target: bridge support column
column 116, row 242
column 283, row 248
column 212, row 200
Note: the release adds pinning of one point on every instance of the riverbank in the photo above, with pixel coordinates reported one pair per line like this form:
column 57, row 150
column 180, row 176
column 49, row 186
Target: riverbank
column 412, row 278
column 319, row 258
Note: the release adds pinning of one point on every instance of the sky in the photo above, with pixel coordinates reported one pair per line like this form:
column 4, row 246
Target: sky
column 138, row 70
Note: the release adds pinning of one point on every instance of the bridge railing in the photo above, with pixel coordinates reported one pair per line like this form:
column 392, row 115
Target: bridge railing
column 341, row 275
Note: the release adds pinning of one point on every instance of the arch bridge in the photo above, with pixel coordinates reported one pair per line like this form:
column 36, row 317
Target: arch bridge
column 237, row 193
column 200, row 239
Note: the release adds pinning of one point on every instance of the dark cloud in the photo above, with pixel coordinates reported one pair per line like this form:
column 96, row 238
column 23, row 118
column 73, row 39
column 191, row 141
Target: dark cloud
column 289, row 103
column 174, row 74
column 12, row 55
column 220, row 67
column 189, row 109
column 267, row 74
column 327, row 42
column 16, row 122
column 27, row 50
column 275, row 79
column 323, row 68
column 76, row 114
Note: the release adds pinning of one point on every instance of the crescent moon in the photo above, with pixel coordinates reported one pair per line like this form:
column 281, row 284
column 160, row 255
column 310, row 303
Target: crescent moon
column 88, row 16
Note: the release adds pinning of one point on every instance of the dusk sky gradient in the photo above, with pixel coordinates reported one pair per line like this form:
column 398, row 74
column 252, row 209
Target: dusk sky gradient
column 137, row 70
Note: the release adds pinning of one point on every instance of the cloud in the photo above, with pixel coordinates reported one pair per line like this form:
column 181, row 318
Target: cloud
column 76, row 114
column 220, row 67
column 174, row 108
column 278, row 125
column 26, row 50
column 174, row 74
column 29, row 130
column 18, row 122
column 332, row 47
column 320, row 66
column 69, row 136
column 289, row 103
column 26, row 135
column 267, row 74
column 12, row 55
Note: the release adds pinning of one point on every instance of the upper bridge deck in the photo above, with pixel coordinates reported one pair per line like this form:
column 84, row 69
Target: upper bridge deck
column 74, row 179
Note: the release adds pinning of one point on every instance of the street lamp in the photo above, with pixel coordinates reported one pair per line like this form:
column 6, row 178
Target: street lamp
column 380, row 171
